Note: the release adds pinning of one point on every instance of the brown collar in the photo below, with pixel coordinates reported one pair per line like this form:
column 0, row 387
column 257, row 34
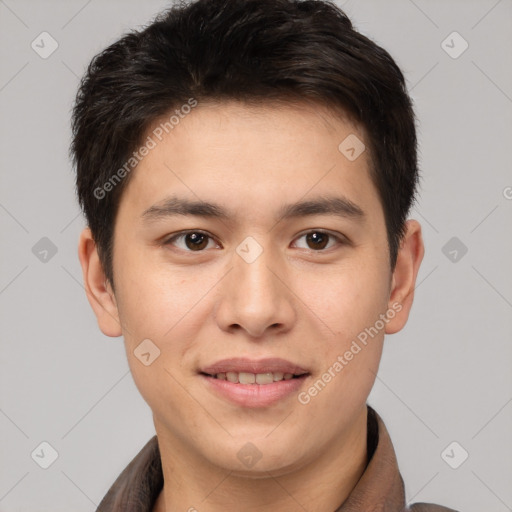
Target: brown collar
column 380, row 488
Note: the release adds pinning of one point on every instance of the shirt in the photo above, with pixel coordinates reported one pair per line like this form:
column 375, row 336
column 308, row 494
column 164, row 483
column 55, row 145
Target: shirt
column 380, row 488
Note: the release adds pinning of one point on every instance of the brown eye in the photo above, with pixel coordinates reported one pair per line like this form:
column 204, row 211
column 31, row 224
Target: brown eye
column 193, row 241
column 196, row 241
column 317, row 240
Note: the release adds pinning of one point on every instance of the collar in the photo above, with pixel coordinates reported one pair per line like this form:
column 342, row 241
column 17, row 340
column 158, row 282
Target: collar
column 380, row 488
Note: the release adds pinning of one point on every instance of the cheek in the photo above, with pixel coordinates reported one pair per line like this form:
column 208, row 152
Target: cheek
column 347, row 299
column 350, row 303
column 167, row 306
column 153, row 298
column 159, row 314
column 350, row 355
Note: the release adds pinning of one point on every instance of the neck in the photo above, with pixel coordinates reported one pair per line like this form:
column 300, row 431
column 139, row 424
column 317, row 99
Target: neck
column 321, row 484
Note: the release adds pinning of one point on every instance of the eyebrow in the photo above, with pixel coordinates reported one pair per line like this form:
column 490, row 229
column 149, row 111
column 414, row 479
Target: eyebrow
column 173, row 206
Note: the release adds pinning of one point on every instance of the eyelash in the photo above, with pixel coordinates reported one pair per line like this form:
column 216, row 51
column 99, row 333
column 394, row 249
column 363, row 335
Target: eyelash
column 182, row 234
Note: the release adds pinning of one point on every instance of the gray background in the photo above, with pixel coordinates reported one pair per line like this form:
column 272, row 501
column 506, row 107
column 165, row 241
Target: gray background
column 446, row 377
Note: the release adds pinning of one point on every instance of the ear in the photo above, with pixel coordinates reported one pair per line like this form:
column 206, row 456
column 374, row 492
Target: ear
column 404, row 276
column 98, row 290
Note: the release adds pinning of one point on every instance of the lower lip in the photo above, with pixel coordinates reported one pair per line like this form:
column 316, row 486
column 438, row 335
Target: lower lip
column 255, row 395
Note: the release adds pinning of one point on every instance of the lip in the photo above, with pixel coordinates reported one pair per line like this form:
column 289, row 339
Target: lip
column 253, row 395
column 241, row 364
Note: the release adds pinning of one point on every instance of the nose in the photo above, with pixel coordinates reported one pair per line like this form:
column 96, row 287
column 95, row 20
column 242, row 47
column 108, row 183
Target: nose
column 255, row 297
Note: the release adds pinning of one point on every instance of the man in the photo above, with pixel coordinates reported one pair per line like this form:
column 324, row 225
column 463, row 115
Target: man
column 246, row 169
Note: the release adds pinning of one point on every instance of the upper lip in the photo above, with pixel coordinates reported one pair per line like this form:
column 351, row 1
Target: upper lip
column 241, row 364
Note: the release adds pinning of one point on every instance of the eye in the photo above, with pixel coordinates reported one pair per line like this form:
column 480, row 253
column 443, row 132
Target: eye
column 191, row 241
column 319, row 240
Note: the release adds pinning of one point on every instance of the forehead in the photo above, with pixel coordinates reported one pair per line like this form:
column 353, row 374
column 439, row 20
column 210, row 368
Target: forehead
column 252, row 158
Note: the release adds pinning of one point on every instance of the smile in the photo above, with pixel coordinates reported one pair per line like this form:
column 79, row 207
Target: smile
column 254, row 383
column 254, row 378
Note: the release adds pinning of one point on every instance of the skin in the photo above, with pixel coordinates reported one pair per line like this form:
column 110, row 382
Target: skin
column 295, row 301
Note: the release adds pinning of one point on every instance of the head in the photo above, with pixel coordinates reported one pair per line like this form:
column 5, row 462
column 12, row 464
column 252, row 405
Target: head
column 246, row 168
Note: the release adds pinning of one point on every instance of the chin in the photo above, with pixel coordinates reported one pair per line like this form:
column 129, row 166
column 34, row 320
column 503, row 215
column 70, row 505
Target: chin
column 256, row 457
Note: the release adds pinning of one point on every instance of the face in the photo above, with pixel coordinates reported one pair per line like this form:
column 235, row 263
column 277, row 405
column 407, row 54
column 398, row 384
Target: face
column 252, row 253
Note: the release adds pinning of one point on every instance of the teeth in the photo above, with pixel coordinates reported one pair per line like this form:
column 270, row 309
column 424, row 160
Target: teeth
column 246, row 378
column 264, row 378
column 254, row 378
column 232, row 377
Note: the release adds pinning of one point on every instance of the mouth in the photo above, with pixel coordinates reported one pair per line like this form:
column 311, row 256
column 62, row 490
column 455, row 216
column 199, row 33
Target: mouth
column 254, row 383
column 251, row 371
column 261, row 379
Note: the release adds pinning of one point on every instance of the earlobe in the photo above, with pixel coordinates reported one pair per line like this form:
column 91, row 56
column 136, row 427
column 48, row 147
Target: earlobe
column 404, row 277
column 98, row 290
